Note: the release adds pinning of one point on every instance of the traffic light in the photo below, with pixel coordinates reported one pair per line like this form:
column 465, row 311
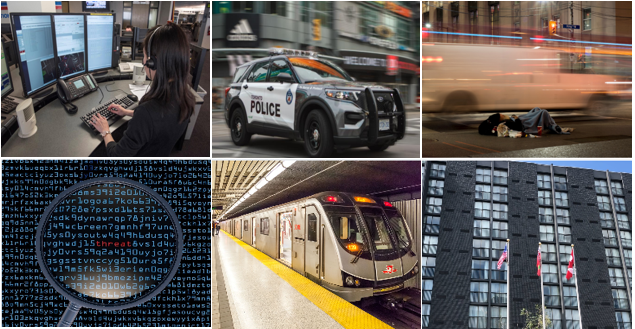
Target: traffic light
column 552, row 27
column 317, row 29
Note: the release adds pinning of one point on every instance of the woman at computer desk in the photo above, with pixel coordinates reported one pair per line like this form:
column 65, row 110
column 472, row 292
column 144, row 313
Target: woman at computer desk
column 164, row 111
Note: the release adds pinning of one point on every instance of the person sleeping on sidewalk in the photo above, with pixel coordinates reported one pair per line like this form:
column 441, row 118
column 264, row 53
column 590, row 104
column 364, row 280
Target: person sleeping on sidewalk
column 526, row 125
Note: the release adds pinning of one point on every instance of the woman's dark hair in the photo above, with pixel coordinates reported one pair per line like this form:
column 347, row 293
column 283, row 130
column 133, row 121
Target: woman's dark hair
column 172, row 80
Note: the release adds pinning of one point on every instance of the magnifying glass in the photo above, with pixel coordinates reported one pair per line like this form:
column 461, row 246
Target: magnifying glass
column 108, row 244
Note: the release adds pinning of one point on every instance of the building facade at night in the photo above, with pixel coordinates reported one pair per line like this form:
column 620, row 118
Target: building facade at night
column 470, row 210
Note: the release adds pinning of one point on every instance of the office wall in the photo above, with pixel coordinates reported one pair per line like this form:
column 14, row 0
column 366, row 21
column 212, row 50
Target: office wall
column 165, row 12
column 115, row 7
column 31, row 6
column 75, row 6
column 140, row 15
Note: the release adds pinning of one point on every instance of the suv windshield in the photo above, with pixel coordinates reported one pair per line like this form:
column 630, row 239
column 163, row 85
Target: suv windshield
column 311, row 70
column 376, row 224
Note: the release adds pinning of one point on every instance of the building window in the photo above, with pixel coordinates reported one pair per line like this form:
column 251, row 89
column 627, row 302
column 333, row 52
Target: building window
column 616, row 276
column 627, row 241
column 623, row 222
column 564, row 234
column 478, row 292
column 500, row 177
column 565, row 253
column 563, row 272
column 499, row 293
column 425, row 315
column 500, row 211
column 497, row 248
column 552, row 295
column 435, row 187
column 427, row 290
column 548, row 252
column 556, row 318
column 478, row 317
column 562, row 215
column 482, row 192
column 601, row 186
column 430, row 244
column 545, row 215
column 499, row 230
column 432, row 224
column 437, row 170
column 546, row 233
column 500, row 275
column 620, row 204
column 620, row 299
column 544, row 198
column 560, row 182
column 606, row 220
column 428, row 264
column 623, row 320
column 498, row 317
column 562, row 199
column 586, row 17
column 610, row 238
column 571, row 319
column 433, row 205
column 604, row 203
column 613, row 256
column 483, row 175
column 550, row 273
column 480, row 268
column 628, row 257
column 480, row 248
column 481, row 209
column 616, row 188
column 481, row 228
column 500, row 193
column 544, row 181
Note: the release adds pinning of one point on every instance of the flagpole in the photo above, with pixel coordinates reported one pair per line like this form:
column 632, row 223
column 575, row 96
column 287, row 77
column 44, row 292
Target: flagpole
column 542, row 290
column 577, row 292
column 508, row 296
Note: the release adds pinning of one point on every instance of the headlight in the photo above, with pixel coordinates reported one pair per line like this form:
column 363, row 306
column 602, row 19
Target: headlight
column 417, row 269
column 357, row 282
column 342, row 95
column 349, row 281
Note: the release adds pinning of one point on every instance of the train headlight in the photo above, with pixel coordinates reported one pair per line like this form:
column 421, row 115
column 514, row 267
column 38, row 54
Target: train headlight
column 349, row 281
column 356, row 282
column 416, row 269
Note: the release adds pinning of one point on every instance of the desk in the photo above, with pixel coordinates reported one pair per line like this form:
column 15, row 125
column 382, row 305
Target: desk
column 60, row 134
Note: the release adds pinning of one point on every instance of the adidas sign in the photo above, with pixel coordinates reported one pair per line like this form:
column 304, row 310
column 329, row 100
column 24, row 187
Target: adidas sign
column 242, row 32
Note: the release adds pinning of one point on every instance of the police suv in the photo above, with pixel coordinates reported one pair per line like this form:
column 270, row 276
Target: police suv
column 295, row 94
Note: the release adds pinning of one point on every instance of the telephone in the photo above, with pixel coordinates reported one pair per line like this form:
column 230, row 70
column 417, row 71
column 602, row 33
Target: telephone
column 75, row 88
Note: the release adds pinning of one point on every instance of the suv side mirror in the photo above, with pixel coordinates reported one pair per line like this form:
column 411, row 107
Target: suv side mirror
column 285, row 77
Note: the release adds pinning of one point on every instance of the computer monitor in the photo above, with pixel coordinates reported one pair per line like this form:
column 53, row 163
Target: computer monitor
column 70, row 42
column 100, row 31
column 7, row 83
column 95, row 6
column 197, row 60
column 6, row 28
column 33, row 34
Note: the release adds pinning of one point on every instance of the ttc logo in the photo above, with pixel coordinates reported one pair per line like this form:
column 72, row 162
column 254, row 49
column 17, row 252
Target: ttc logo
column 389, row 269
column 289, row 96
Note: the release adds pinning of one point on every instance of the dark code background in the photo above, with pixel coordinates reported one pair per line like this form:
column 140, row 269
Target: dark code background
column 27, row 189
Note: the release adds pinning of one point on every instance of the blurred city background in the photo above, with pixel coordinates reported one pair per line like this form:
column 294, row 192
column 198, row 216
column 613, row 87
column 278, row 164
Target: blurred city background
column 356, row 36
column 572, row 58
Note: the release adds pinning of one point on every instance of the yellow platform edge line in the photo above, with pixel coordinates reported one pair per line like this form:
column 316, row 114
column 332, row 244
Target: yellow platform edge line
column 343, row 312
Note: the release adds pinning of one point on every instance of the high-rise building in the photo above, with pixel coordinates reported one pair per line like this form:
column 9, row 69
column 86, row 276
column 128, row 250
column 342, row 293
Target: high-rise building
column 471, row 209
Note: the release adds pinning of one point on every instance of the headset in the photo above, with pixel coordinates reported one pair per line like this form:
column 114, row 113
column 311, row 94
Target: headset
column 151, row 63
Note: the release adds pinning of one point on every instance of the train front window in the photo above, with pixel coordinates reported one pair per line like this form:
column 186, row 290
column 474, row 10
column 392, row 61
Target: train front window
column 398, row 225
column 346, row 228
column 377, row 228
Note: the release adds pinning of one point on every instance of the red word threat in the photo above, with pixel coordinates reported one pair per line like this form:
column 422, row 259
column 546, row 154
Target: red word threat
column 114, row 244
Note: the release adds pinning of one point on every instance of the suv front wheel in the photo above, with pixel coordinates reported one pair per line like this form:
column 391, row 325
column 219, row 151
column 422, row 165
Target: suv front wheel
column 318, row 138
column 238, row 127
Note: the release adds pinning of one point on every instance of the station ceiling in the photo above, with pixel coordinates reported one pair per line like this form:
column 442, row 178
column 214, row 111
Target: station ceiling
column 231, row 179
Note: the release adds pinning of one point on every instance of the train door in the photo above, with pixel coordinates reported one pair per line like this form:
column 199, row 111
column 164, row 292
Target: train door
column 253, row 232
column 298, row 225
column 285, row 237
column 312, row 249
column 237, row 228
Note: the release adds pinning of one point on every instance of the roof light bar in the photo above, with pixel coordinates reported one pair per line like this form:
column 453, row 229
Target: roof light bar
column 292, row 52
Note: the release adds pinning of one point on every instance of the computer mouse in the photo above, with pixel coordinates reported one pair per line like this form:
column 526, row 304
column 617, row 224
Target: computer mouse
column 133, row 97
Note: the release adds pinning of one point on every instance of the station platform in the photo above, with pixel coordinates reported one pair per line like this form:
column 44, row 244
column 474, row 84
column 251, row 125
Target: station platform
column 252, row 290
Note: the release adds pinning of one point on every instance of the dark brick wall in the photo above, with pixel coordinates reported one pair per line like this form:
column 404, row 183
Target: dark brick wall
column 451, row 291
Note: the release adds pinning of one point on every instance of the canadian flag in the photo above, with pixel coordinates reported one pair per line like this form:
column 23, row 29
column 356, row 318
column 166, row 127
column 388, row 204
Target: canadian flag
column 570, row 269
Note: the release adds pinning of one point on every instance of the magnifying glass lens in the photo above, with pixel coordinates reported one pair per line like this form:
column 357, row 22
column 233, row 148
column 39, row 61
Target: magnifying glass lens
column 109, row 244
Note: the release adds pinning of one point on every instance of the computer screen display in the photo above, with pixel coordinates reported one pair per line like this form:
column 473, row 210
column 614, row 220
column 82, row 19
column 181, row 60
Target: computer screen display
column 6, row 79
column 95, row 4
column 100, row 32
column 69, row 37
column 34, row 36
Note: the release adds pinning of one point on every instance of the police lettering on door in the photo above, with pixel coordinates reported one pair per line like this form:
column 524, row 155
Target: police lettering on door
column 265, row 108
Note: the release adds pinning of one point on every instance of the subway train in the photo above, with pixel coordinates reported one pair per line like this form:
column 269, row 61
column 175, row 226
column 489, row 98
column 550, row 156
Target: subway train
column 354, row 245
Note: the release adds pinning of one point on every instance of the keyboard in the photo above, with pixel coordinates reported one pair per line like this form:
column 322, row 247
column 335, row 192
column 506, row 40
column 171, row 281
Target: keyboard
column 122, row 100
column 8, row 105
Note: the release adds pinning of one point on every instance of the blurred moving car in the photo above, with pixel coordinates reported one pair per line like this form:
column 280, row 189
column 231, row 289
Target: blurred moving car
column 465, row 78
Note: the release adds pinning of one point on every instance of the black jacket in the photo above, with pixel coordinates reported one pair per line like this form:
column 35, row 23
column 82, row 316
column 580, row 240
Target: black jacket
column 152, row 132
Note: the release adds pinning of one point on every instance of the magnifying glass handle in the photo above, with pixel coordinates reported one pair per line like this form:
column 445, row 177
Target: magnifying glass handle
column 69, row 315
